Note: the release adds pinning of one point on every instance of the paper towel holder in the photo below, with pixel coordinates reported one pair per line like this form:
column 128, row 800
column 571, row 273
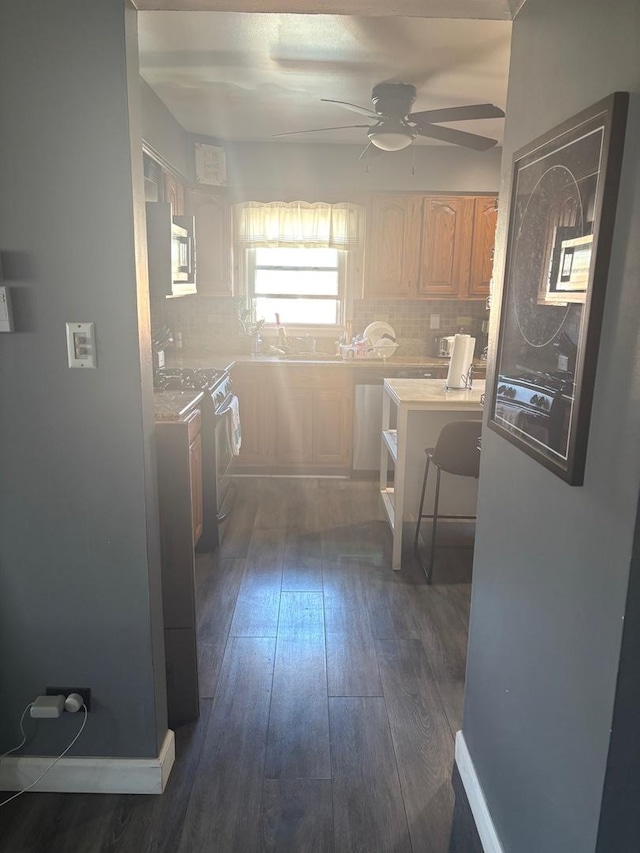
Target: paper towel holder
column 467, row 379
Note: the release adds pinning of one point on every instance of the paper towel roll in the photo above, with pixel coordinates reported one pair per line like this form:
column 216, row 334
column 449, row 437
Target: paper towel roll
column 461, row 360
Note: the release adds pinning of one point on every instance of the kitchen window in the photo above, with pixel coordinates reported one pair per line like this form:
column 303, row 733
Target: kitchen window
column 303, row 286
column 296, row 258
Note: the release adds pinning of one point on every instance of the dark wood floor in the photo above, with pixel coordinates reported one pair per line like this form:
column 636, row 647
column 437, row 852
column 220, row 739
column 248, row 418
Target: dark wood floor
column 331, row 693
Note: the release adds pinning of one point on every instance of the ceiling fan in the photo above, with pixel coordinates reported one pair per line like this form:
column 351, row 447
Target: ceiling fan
column 396, row 127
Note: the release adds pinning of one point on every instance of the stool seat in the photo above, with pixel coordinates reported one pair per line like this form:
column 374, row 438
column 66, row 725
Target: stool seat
column 457, row 451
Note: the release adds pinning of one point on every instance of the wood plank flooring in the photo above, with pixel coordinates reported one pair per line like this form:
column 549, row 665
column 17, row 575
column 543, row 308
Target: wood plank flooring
column 331, row 693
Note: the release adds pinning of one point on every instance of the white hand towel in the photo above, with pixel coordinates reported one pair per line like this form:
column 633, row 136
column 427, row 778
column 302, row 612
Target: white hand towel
column 235, row 431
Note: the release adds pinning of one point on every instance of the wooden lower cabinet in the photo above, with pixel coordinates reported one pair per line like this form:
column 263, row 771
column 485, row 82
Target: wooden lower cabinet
column 179, row 459
column 293, row 426
column 195, row 468
column 331, row 427
column 294, row 418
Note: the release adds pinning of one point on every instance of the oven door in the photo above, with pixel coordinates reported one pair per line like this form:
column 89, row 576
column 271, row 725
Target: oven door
column 224, row 455
column 521, row 418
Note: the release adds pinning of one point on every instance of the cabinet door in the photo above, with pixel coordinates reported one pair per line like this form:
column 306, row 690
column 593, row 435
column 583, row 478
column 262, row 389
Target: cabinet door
column 332, row 426
column 213, row 242
column 195, row 470
column 393, row 246
column 251, row 386
column 292, row 426
column 174, row 194
column 446, row 246
column 485, row 214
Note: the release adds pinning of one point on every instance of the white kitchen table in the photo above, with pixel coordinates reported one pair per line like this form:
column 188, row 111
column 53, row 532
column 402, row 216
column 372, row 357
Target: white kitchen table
column 423, row 406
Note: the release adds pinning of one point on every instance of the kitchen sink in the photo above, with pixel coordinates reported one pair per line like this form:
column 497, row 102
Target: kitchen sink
column 310, row 356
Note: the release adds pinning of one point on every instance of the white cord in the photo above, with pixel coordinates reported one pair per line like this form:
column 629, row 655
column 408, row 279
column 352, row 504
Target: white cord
column 24, row 737
column 62, row 754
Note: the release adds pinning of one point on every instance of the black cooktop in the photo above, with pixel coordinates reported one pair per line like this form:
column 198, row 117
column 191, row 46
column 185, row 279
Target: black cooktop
column 186, row 378
column 558, row 381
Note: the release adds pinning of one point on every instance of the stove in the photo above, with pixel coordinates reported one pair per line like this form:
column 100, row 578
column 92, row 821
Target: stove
column 187, row 378
column 535, row 391
column 537, row 404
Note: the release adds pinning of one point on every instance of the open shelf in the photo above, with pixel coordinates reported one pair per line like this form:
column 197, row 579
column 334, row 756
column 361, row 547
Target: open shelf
column 390, row 438
column 387, row 496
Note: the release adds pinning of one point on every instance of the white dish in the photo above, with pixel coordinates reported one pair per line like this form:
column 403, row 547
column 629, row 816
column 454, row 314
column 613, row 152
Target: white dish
column 385, row 348
column 376, row 330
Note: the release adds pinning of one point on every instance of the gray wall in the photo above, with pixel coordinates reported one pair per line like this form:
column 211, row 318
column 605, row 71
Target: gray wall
column 275, row 171
column 79, row 554
column 552, row 562
column 164, row 134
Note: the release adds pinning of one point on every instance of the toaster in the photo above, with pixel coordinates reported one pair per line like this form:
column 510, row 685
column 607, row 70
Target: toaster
column 444, row 346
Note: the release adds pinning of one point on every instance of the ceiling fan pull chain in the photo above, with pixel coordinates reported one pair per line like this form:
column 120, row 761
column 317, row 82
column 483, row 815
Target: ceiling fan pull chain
column 413, row 163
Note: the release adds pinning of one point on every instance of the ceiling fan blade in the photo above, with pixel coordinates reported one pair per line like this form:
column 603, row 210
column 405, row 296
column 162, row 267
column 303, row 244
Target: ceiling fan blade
column 364, row 111
column 370, row 150
column 456, row 137
column 317, row 129
column 472, row 111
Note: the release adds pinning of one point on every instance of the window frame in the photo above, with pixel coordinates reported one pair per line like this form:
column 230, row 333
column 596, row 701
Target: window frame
column 341, row 296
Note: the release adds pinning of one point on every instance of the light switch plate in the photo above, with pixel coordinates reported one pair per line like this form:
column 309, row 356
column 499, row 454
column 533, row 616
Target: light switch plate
column 434, row 321
column 81, row 344
column 6, row 314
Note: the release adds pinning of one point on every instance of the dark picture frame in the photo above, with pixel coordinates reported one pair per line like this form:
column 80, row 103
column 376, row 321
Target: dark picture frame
column 564, row 194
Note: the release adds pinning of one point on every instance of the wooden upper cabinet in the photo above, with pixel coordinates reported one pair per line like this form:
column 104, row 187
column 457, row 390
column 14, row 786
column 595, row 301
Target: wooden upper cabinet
column 428, row 246
column 213, row 241
column 446, row 246
column 393, row 246
column 174, row 194
column 485, row 215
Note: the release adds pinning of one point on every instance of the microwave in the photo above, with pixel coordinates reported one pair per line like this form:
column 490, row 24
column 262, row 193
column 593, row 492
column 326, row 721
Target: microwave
column 183, row 268
column 170, row 251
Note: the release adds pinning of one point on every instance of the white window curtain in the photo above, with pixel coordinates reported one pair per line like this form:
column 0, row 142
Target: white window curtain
column 297, row 224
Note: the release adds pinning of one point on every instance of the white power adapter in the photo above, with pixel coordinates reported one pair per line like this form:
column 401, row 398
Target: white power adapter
column 47, row 707
column 51, row 707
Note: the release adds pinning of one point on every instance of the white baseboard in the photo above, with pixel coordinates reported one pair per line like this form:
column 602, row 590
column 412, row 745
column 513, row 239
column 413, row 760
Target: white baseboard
column 91, row 775
column 475, row 795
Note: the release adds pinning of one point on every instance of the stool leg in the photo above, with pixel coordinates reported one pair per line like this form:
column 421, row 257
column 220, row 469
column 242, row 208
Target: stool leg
column 424, row 489
column 435, row 524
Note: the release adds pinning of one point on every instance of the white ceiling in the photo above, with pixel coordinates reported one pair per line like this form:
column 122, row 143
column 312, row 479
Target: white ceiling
column 247, row 76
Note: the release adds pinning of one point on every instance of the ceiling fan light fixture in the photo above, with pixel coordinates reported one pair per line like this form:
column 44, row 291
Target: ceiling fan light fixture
column 390, row 140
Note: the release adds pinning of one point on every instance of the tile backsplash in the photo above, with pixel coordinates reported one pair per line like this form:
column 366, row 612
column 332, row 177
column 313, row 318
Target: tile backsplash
column 212, row 322
column 411, row 320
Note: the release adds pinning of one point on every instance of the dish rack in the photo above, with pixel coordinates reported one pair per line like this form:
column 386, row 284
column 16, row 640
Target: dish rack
column 360, row 352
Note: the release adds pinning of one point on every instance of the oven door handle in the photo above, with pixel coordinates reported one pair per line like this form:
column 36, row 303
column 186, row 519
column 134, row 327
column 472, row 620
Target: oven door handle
column 222, row 412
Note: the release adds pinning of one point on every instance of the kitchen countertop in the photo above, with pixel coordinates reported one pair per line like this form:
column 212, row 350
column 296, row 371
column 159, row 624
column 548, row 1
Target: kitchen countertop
column 431, row 394
column 200, row 358
column 174, row 405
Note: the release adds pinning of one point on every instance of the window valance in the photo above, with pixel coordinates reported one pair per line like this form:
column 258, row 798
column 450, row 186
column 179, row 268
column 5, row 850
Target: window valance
column 297, row 224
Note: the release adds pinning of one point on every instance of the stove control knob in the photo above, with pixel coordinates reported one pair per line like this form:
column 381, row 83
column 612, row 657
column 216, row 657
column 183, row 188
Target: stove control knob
column 502, row 389
column 535, row 400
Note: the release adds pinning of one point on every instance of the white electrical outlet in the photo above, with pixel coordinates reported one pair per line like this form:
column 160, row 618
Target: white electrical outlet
column 81, row 344
column 434, row 321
